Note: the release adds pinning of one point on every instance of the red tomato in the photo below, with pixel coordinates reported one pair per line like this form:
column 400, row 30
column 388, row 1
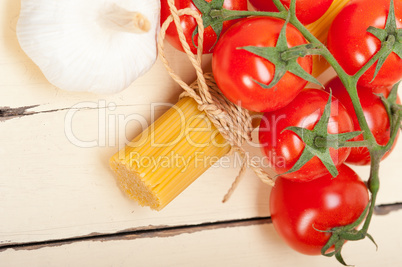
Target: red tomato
column 307, row 11
column 353, row 46
column 374, row 112
column 283, row 147
column 236, row 70
column 324, row 203
column 189, row 24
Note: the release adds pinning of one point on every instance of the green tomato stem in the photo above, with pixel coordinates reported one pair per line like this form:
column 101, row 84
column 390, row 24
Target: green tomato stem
column 227, row 14
column 373, row 186
column 324, row 142
column 279, row 5
column 367, row 134
column 300, row 51
column 350, row 82
column 386, row 47
column 322, row 48
column 394, row 130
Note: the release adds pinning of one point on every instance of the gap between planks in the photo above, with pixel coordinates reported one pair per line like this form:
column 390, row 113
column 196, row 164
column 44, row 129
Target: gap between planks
column 8, row 113
column 147, row 232
column 168, row 231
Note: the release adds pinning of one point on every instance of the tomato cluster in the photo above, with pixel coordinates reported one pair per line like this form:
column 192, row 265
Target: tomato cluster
column 322, row 193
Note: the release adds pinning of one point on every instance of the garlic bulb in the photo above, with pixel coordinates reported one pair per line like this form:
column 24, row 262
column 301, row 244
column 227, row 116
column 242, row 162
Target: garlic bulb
column 99, row 46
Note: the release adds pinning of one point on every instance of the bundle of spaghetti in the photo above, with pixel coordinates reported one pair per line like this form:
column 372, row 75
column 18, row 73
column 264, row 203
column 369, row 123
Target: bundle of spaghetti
column 169, row 155
column 191, row 136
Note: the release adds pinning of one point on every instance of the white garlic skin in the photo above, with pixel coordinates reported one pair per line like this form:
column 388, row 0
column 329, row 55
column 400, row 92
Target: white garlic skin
column 75, row 49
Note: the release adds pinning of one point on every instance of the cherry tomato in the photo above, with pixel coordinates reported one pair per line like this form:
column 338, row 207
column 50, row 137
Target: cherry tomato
column 298, row 209
column 353, row 46
column 283, row 147
column 237, row 70
column 307, row 11
column 374, row 112
column 189, row 24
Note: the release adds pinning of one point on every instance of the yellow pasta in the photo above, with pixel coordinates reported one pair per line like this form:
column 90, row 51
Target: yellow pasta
column 169, row 155
column 157, row 165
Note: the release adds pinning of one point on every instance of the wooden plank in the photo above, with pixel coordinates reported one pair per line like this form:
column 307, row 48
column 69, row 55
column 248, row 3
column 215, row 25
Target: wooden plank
column 52, row 186
column 241, row 245
column 54, row 177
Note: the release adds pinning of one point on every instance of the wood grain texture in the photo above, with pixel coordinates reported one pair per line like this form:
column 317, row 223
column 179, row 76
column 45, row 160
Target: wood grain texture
column 55, row 182
column 51, row 187
column 54, row 187
column 246, row 245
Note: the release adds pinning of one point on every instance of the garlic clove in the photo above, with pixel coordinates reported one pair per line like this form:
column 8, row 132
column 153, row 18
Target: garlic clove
column 75, row 48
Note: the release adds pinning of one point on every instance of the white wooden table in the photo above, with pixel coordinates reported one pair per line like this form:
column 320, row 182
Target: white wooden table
column 60, row 205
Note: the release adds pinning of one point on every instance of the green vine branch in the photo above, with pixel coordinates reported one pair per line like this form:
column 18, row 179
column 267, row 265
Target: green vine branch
column 325, row 142
column 227, row 14
column 279, row 5
column 319, row 140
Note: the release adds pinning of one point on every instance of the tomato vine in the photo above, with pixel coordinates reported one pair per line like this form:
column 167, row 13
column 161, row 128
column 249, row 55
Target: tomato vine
column 391, row 41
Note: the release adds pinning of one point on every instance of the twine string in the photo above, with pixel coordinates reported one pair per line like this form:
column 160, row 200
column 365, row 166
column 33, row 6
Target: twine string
column 232, row 121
